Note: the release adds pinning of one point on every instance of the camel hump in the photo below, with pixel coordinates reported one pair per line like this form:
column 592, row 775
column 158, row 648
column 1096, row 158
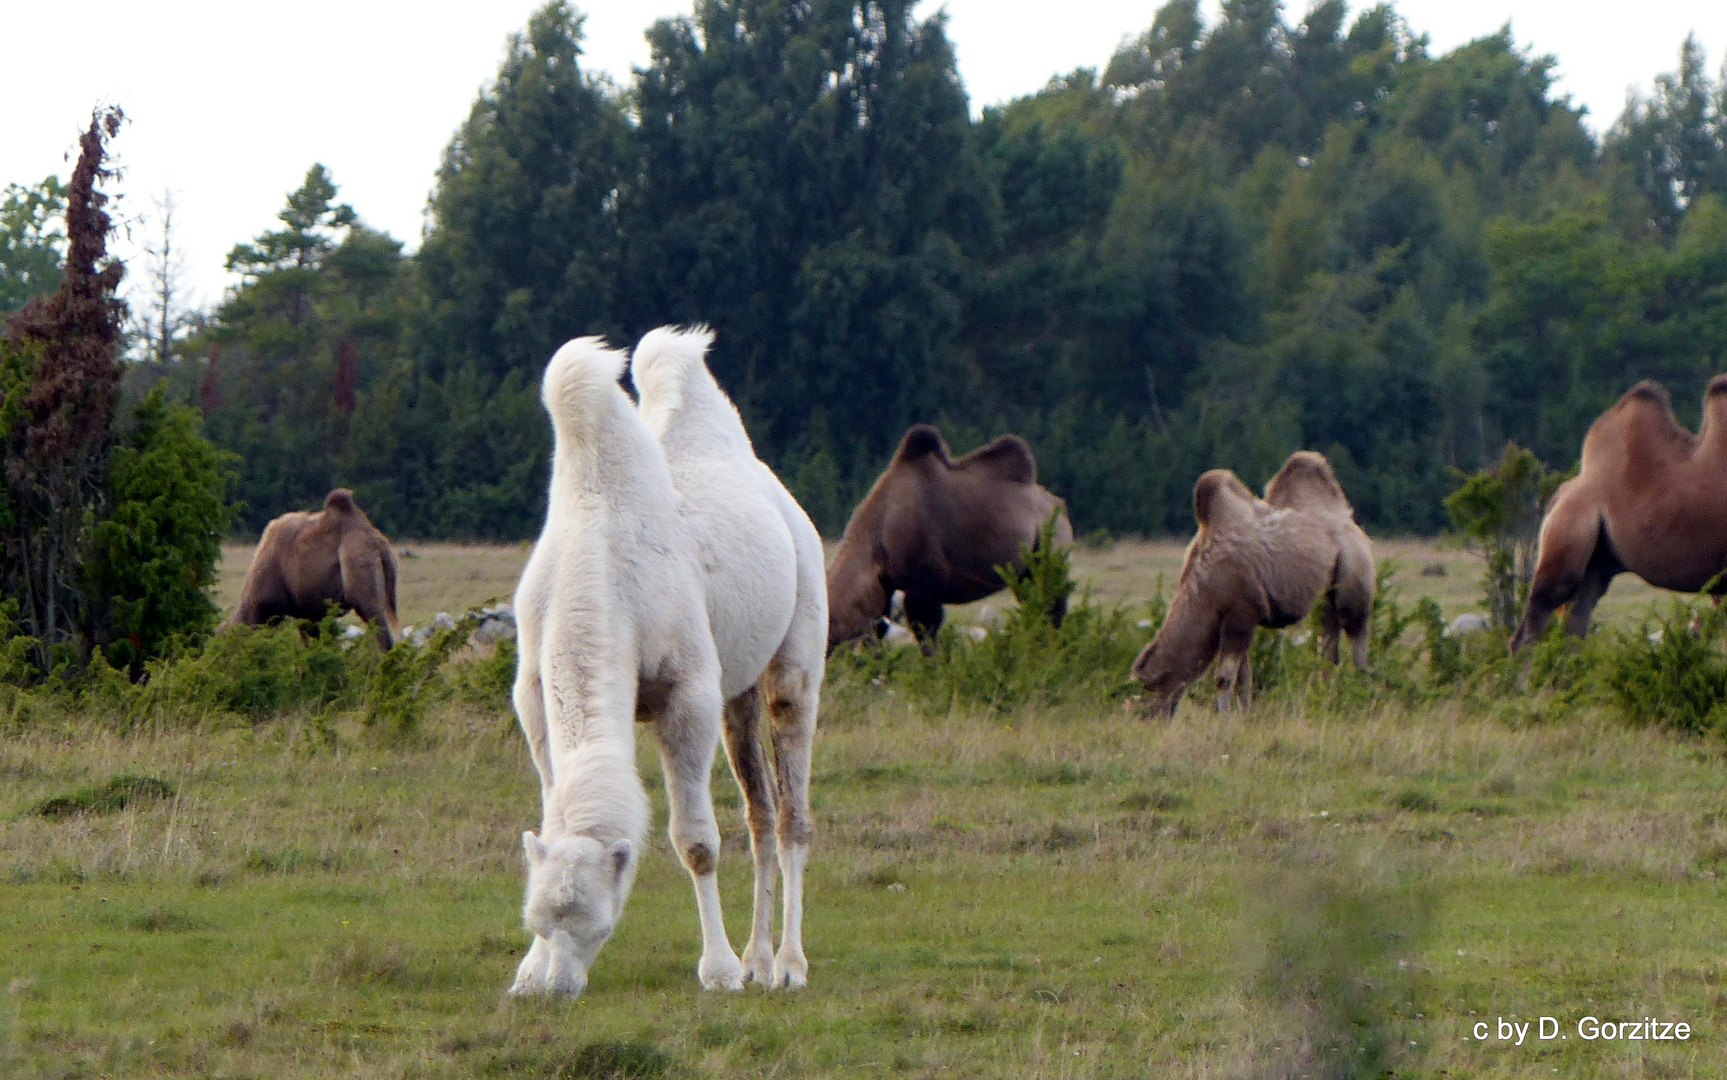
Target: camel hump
column 341, row 501
column 921, row 441
column 1717, row 385
column 1008, row 459
column 1219, row 496
column 1650, row 392
column 580, row 379
column 666, row 358
column 1639, row 429
column 1306, row 481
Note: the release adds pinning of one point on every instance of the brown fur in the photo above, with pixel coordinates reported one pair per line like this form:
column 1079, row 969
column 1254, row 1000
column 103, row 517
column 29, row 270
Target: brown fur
column 307, row 560
column 1650, row 498
column 1260, row 562
column 937, row 528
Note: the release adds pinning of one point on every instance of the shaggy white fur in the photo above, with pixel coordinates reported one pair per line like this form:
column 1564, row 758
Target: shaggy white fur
column 612, row 624
column 766, row 597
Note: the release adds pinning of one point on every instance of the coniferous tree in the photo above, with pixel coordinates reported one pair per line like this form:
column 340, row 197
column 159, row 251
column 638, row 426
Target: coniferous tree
column 522, row 252
column 54, row 440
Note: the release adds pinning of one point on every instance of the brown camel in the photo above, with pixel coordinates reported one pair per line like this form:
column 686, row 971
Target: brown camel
column 307, row 560
column 937, row 528
column 1260, row 563
column 1650, row 497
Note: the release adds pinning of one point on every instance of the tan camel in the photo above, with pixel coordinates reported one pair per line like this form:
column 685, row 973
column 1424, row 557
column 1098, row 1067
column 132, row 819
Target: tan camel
column 1260, row 563
column 307, row 560
column 937, row 528
column 1650, row 498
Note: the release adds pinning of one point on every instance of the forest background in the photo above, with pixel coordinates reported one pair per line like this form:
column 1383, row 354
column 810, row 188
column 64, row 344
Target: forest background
column 1236, row 240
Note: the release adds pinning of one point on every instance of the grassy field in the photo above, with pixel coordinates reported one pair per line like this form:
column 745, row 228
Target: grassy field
column 1072, row 893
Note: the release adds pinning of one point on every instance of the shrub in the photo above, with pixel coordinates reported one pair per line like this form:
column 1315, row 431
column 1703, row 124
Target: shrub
column 1026, row 661
column 153, row 559
column 1500, row 509
column 1673, row 673
column 117, row 794
column 258, row 671
column 405, row 680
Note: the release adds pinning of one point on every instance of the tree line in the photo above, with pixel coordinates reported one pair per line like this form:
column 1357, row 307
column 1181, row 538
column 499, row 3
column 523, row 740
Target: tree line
column 1233, row 241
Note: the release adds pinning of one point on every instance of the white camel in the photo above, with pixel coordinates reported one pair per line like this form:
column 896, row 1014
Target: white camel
column 613, row 627
column 767, row 605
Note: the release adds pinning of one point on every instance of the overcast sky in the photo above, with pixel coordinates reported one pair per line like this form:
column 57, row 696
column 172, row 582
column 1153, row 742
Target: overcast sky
column 231, row 102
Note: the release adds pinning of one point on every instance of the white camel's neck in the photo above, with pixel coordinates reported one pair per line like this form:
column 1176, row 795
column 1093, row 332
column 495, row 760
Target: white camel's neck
column 598, row 792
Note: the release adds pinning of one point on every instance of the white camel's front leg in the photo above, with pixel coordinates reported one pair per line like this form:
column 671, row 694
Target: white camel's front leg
column 531, row 973
column 791, row 967
column 688, row 731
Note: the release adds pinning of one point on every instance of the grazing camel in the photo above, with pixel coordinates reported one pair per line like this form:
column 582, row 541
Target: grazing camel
column 1260, row 563
column 1649, row 498
column 937, row 528
column 767, row 605
column 614, row 626
column 308, row 560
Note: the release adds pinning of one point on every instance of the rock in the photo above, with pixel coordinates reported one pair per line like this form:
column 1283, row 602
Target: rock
column 497, row 622
column 1470, row 622
column 896, row 634
column 976, row 633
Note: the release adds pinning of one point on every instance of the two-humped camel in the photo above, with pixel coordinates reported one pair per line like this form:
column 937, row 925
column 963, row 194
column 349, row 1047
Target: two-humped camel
column 937, row 528
column 1260, row 562
column 1649, row 497
column 308, row 560
column 675, row 581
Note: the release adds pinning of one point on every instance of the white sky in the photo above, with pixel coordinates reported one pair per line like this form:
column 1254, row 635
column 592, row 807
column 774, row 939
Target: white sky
column 230, row 102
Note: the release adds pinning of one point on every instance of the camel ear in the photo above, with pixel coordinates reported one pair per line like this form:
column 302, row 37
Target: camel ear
column 620, row 853
column 535, row 848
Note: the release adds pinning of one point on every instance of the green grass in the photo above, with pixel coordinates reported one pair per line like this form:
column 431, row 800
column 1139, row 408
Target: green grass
column 1061, row 893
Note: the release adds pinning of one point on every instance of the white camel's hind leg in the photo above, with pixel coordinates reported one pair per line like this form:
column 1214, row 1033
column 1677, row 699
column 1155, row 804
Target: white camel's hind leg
column 750, row 766
column 688, row 731
column 792, row 692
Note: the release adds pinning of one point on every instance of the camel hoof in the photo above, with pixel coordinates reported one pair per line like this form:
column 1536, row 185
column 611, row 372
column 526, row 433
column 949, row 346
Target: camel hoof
column 791, row 973
column 758, row 966
column 721, row 973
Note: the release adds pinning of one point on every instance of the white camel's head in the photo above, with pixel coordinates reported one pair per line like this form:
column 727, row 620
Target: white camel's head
column 576, row 891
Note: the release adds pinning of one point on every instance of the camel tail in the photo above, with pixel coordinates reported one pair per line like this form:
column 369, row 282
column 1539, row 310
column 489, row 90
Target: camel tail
column 579, row 379
column 388, row 559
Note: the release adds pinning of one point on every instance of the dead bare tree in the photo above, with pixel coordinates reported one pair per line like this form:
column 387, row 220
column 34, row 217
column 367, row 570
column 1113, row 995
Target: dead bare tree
column 162, row 316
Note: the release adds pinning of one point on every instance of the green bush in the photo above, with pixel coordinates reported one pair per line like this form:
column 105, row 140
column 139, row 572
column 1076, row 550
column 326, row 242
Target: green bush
column 1026, row 661
column 153, row 560
column 117, row 794
column 259, row 671
column 1500, row 509
column 1672, row 672
column 405, row 681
